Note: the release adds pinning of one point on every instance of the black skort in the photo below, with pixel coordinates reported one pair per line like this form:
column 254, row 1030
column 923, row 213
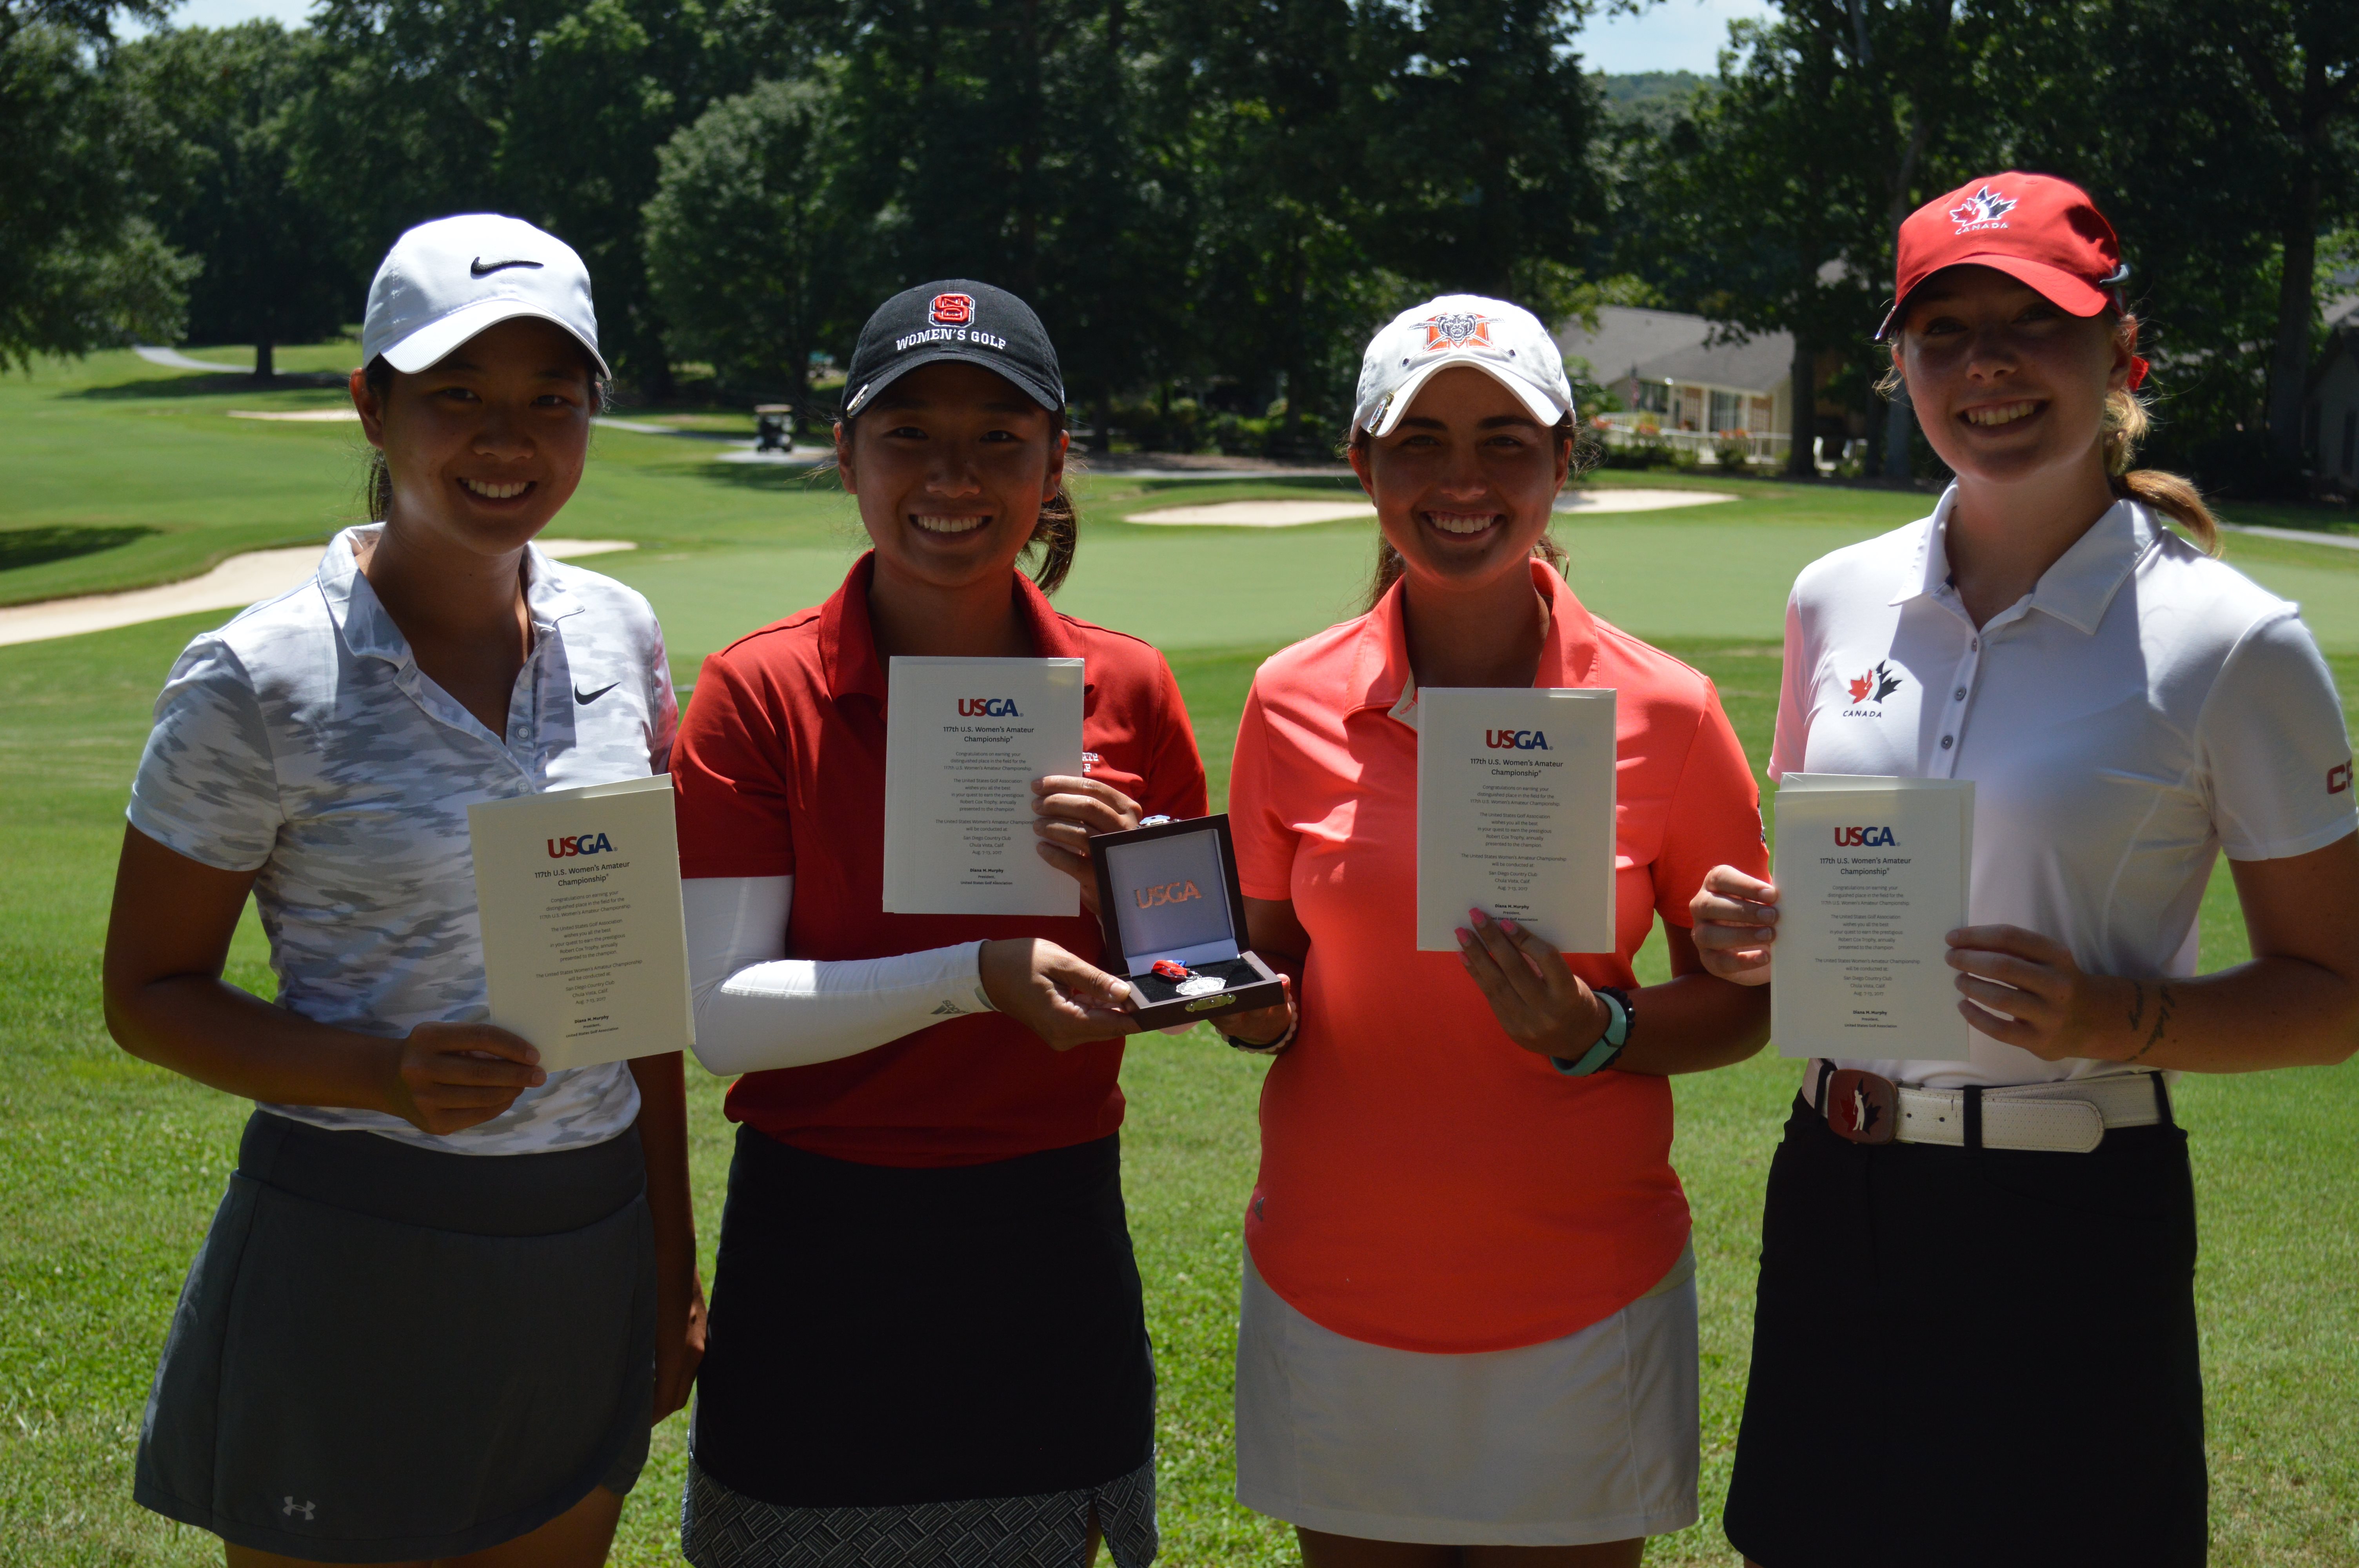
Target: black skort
column 1963, row 1357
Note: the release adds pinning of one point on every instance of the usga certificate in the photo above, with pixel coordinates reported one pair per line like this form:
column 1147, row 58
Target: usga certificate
column 583, row 943
column 1515, row 812
column 1872, row 876
column 963, row 740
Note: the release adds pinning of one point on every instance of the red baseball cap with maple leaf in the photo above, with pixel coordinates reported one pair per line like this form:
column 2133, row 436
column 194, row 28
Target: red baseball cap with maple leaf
column 2038, row 230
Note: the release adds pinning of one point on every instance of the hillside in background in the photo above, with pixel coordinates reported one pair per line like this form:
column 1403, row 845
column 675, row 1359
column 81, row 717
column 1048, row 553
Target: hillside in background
column 1650, row 98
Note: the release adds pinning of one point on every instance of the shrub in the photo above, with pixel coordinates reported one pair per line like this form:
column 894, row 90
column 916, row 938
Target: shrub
column 1733, row 449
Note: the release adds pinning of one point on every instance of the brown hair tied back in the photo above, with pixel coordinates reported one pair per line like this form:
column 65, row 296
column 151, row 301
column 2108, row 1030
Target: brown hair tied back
column 2173, row 495
column 1389, row 565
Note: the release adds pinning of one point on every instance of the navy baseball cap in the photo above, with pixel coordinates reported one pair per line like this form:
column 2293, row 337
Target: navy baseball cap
column 955, row 319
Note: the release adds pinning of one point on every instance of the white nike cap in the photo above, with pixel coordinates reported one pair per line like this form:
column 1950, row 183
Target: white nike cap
column 1504, row 341
column 444, row 282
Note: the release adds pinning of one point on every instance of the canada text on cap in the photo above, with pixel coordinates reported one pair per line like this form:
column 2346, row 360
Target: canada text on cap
column 2042, row 231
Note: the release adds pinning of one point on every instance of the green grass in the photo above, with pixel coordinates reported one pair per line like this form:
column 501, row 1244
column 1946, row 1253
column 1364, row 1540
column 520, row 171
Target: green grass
column 114, row 1167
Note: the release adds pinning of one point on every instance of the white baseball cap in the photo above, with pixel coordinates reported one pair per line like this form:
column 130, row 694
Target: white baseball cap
column 1505, row 342
column 445, row 281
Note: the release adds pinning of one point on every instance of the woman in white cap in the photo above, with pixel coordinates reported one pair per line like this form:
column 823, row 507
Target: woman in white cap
column 1468, row 1332
column 1975, row 1339
column 448, row 1292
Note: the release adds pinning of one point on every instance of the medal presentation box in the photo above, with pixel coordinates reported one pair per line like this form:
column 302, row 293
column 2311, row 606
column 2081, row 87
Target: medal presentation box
column 1169, row 893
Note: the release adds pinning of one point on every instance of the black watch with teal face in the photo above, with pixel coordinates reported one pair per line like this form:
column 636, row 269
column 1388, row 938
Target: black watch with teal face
column 1608, row 1049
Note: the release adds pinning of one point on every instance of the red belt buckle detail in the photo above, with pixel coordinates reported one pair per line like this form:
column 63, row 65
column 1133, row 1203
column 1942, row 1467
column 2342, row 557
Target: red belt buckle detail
column 1861, row 1107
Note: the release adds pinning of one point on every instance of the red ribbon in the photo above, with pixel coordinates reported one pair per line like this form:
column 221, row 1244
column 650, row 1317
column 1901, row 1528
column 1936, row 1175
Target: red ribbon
column 2138, row 368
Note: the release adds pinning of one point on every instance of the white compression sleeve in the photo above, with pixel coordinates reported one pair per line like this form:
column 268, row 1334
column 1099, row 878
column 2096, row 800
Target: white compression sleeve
column 756, row 1008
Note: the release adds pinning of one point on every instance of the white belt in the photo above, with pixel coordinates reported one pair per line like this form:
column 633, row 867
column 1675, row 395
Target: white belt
column 2068, row 1117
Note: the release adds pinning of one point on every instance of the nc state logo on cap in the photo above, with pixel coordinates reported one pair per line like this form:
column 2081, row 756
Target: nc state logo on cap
column 952, row 309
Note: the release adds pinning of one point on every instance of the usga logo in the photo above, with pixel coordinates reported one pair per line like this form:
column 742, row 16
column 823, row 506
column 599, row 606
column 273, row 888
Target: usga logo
column 1516, row 739
column 1166, row 893
column 1864, row 838
column 988, row 708
column 579, row 844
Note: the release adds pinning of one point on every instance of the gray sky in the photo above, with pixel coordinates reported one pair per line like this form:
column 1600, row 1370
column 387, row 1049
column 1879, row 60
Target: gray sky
column 1670, row 35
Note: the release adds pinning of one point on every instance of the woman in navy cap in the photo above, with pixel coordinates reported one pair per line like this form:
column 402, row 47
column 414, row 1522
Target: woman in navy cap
column 928, row 1340
column 448, row 1291
column 1975, row 1338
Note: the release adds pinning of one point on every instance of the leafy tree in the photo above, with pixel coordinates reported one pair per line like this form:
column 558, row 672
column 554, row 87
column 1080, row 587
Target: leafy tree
column 745, row 235
column 81, row 265
column 2299, row 63
column 553, row 110
column 273, row 273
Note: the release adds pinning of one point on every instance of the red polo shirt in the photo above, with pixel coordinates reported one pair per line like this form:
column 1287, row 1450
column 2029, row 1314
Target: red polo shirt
column 780, row 772
column 1426, row 1183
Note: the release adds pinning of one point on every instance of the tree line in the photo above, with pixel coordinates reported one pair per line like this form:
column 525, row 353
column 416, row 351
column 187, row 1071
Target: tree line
column 1211, row 202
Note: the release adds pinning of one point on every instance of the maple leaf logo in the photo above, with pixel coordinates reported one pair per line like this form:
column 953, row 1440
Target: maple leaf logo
column 1984, row 206
column 1875, row 685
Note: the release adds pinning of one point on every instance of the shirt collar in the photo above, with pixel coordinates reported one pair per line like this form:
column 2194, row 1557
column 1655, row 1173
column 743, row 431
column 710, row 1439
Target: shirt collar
column 2076, row 591
column 368, row 630
column 1381, row 676
column 847, row 637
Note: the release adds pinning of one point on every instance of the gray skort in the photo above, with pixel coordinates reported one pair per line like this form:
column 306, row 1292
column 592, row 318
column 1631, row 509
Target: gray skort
column 386, row 1352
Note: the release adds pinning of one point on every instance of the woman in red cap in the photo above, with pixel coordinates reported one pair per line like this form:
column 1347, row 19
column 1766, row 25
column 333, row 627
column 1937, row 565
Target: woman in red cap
column 1976, row 1343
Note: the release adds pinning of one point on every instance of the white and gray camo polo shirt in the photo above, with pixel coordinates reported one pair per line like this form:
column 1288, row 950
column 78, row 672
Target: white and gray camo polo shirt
column 302, row 741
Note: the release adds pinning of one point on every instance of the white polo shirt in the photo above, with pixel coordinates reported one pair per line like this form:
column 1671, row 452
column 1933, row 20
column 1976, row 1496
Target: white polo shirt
column 2142, row 709
column 302, row 741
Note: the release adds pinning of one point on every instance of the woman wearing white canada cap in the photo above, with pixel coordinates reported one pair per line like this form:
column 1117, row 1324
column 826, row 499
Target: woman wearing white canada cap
column 448, row 1292
column 1468, row 1332
column 1975, row 1339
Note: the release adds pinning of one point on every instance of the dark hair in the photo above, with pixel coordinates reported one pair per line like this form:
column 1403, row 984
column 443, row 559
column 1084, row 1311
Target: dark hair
column 2124, row 426
column 1389, row 565
column 1058, row 527
column 376, row 485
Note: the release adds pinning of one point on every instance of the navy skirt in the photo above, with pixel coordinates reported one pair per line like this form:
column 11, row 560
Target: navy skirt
column 1963, row 1357
column 386, row 1352
column 883, row 1336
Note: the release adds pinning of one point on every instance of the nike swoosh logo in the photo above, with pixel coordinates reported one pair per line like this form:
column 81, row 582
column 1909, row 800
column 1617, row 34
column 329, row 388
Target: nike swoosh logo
column 479, row 267
column 587, row 697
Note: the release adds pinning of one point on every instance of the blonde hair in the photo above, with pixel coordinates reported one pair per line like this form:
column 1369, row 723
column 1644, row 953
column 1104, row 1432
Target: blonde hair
column 2121, row 429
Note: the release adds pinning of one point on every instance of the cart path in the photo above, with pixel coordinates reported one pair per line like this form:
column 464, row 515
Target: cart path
column 236, row 583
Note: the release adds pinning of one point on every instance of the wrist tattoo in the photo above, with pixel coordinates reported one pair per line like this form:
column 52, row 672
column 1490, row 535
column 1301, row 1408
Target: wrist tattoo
column 2138, row 1005
column 2162, row 1011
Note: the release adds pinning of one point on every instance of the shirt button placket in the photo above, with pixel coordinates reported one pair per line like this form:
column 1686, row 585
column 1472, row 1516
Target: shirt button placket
column 1953, row 713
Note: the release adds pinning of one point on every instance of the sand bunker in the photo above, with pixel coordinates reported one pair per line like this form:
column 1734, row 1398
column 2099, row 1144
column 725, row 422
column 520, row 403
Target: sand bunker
column 236, row 583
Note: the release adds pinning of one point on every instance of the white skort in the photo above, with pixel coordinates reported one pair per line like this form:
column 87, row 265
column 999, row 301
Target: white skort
column 1588, row 1438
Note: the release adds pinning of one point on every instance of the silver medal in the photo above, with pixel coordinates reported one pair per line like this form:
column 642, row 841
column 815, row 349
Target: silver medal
column 1202, row 985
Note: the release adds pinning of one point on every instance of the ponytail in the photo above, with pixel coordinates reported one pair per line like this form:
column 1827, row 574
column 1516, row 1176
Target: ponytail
column 1389, row 565
column 2174, row 496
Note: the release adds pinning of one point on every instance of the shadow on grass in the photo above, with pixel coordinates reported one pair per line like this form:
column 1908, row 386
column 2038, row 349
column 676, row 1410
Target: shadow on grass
column 218, row 385
column 37, row 547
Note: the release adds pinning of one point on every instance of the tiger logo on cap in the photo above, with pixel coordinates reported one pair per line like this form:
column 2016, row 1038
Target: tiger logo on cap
column 1461, row 331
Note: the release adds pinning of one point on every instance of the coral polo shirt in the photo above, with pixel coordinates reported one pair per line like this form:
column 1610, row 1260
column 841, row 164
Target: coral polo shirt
column 780, row 772
column 1427, row 1183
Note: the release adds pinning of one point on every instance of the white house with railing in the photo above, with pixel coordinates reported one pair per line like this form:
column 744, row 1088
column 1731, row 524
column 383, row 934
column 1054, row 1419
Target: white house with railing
column 1682, row 389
